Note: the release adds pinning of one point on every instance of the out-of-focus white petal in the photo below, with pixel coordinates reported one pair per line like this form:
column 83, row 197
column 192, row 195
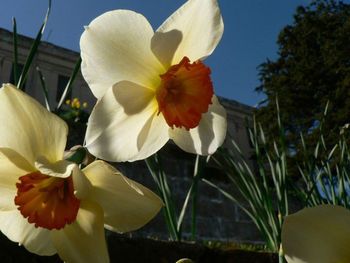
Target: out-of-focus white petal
column 35, row 239
column 208, row 136
column 31, row 130
column 319, row 234
column 116, row 46
column 201, row 25
column 84, row 240
column 61, row 168
column 12, row 166
column 127, row 205
column 124, row 125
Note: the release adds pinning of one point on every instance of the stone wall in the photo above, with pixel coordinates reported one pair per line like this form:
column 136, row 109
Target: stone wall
column 218, row 219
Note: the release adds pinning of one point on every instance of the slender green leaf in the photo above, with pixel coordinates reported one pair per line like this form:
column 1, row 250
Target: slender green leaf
column 33, row 50
column 45, row 91
column 15, row 52
column 69, row 85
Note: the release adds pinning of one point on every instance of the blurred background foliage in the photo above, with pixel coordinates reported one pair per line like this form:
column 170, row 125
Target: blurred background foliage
column 313, row 68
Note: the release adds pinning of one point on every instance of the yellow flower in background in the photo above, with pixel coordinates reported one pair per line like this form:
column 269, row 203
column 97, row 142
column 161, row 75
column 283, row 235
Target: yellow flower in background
column 75, row 103
column 49, row 205
column 153, row 86
column 317, row 235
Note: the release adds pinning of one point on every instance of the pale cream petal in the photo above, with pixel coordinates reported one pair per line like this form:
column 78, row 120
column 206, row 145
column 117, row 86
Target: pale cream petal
column 208, row 136
column 28, row 128
column 153, row 136
column 116, row 46
column 121, row 128
column 127, row 205
column 201, row 26
column 84, row 240
column 82, row 186
column 35, row 239
column 12, row 166
column 165, row 44
column 320, row 234
column 61, row 168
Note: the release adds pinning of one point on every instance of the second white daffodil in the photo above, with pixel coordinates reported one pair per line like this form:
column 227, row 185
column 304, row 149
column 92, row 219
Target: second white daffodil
column 49, row 205
column 153, row 86
column 318, row 234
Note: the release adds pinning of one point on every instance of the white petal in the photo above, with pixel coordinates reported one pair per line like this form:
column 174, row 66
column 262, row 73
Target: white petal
column 35, row 239
column 165, row 44
column 84, row 240
column 208, row 136
column 124, row 129
column 29, row 129
column 61, row 168
column 127, row 205
column 82, row 186
column 12, row 166
column 319, row 234
column 153, row 136
column 201, row 25
column 116, row 46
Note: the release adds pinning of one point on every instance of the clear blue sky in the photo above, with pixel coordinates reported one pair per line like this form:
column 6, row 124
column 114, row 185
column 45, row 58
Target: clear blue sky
column 251, row 29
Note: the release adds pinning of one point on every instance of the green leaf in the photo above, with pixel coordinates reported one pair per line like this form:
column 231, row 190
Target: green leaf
column 33, row 50
column 45, row 91
column 15, row 52
column 69, row 85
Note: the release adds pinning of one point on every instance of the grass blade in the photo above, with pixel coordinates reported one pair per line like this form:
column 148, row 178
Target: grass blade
column 33, row 50
column 45, row 91
column 15, row 52
column 69, row 84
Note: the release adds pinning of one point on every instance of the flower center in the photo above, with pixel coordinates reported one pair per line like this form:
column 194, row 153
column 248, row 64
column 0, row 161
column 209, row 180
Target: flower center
column 47, row 201
column 185, row 93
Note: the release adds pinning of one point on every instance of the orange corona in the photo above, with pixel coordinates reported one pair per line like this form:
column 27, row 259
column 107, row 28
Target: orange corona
column 185, row 93
column 46, row 201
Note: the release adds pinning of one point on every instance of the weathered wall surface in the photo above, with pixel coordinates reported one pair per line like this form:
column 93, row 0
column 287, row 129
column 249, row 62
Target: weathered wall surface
column 217, row 217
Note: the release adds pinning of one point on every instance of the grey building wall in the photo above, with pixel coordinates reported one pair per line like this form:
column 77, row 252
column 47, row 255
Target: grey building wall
column 52, row 60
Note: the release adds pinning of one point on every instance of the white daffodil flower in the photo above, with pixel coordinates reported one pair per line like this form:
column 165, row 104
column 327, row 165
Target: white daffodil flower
column 317, row 235
column 48, row 204
column 153, row 86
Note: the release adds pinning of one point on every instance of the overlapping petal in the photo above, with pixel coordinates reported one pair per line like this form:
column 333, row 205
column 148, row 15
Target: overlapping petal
column 116, row 46
column 82, row 185
column 201, row 26
column 61, row 168
column 17, row 229
column 12, row 166
column 319, row 234
column 127, row 205
column 208, row 136
column 36, row 132
column 84, row 240
column 123, row 129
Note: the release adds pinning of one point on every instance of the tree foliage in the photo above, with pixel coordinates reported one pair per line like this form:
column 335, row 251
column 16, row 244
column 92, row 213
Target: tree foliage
column 312, row 68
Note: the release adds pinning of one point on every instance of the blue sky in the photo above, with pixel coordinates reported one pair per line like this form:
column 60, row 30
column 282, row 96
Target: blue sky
column 251, row 30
